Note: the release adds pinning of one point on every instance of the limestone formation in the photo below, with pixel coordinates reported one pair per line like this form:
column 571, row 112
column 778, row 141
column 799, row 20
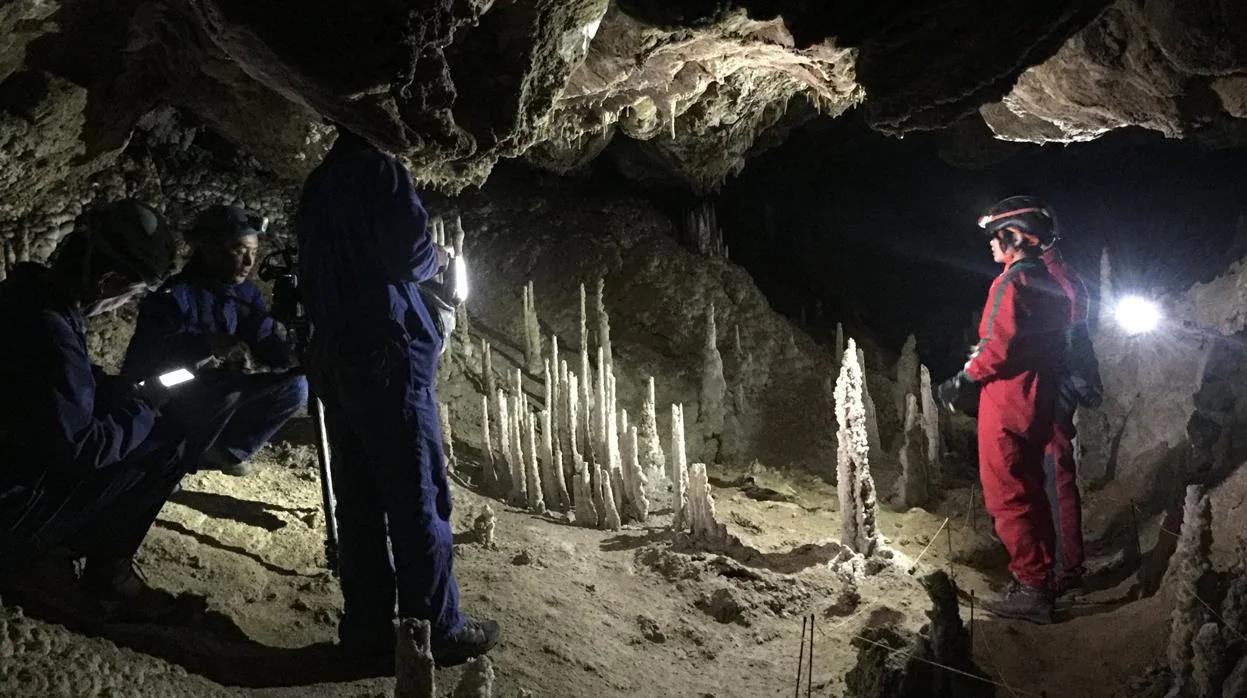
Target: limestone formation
column 448, row 441
column 854, row 484
column 931, row 427
column 839, row 350
column 614, row 458
column 487, row 368
column 532, row 331
column 536, row 499
column 586, row 435
column 638, row 484
column 1208, row 661
column 713, row 388
column 651, row 454
column 906, row 375
column 1234, row 607
column 702, row 232
column 703, row 526
column 502, row 415
column 586, row 513
column 679, row 468
column 913, row 487
column 604, row 323
column 483, row 526
column 477, row 680
column 1188, row 571
column 553, row 485
column 519, row 466
column 489, row 466
column 1106, row 291
column 413, row 660
column 554, row 388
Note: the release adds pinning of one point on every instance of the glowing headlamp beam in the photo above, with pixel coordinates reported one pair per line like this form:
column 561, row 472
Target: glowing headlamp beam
column 1136, row 315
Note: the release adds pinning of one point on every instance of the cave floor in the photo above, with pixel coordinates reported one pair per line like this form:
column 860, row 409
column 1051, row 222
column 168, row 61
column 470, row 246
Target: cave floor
column 587, row 612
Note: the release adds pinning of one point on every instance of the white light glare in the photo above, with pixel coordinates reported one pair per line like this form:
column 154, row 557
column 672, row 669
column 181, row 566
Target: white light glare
column 1137, row 315
column 173, row 378
column 461, row 279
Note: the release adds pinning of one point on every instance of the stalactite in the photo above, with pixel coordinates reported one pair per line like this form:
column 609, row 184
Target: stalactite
column 913, row 487
column 413, row 660
column 931, row 428
column 906, row 375
column 854, row 484
column 536, row 500
column 713, row 387
column 1188, row 570
column 604, row 324
column 679, row 467
column 532, row 331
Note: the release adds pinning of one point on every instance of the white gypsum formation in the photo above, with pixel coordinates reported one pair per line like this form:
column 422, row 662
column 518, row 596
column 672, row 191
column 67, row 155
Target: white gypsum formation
column 614, row 460
column 448, row 443
column 599, row 466
column 854, row 484
column 413, row 660
column 679, row 468
column 483, row 526
column 703, row 525
column 477, row 680
column 551, row 471
column 586, row 435
column 610, row 520
column 554, row 402
column 913, row 488
column 585, row 512
column 906, row 376
column 519, row 465
column 1188, row 569
column 839, row 344
column 638, row 498
column 604, row 323
column 536, row 501
column 487, row 368
column 930, row 427
column 502, row 417
column 532, row 331
column 651, row 456
column 713, row 385
column 872, row 415
column 490, row 466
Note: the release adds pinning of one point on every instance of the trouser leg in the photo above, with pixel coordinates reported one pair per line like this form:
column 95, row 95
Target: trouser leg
column 1011, row 470
column 267, row 401
column 1059, row 455
column 366, row 569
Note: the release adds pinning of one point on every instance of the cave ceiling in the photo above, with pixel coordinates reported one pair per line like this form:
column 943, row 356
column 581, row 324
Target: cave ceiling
column 673, row 90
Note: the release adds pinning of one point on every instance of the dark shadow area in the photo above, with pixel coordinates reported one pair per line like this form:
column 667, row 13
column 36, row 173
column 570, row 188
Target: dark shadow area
column 222, row 506
column 626, row 541
column 209, row 541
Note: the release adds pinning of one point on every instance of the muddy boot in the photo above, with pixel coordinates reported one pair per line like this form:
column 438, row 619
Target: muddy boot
column 1068, row 584
column 223, row 461
column 475, row 638
column 121, row 589
column 1023, row 603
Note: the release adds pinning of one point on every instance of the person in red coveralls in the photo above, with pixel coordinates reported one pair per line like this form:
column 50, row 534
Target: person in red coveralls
column 1018, row 367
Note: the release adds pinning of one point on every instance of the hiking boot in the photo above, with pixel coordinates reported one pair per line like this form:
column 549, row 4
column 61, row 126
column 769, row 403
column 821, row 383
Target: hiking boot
column 1067, row 584
column 221, row 460
column 475, row 638
column 1023, row 603
column 114, row 579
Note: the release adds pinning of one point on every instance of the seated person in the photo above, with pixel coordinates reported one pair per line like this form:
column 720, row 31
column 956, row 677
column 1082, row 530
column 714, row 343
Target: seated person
column 211, row 310
column 86, row 459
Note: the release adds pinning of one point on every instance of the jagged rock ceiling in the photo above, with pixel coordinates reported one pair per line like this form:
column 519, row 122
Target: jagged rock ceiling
column 686, row 89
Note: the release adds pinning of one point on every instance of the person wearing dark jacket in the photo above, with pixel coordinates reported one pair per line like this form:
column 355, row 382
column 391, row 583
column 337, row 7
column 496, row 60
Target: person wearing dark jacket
column 213, row 311
column 88, row 458
column 1017, row 368
column 364, row 248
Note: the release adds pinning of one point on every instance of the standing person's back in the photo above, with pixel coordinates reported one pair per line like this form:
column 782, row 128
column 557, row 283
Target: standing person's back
column 364, row 247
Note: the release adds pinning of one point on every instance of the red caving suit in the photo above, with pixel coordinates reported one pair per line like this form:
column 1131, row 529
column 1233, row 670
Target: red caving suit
column 1019, row 363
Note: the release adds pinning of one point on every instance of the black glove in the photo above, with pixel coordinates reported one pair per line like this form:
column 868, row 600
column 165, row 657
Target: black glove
column 953, row 393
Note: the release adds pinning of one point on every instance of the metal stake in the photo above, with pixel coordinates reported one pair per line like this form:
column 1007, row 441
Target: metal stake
column 796, row 693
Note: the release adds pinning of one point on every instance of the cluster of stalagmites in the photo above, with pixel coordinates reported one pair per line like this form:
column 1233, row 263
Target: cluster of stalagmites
column 919, row 454
column 414, row 668
column 1207, row 652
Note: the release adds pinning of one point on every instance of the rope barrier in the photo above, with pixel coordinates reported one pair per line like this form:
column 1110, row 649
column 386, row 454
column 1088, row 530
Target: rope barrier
column 929, row 544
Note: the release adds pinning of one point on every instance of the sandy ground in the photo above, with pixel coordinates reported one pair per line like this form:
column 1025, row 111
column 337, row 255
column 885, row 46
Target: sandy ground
column 584, row 612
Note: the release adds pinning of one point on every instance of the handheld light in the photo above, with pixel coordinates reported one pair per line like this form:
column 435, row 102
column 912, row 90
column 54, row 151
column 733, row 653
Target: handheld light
column 461, row 278
column 1137, row 315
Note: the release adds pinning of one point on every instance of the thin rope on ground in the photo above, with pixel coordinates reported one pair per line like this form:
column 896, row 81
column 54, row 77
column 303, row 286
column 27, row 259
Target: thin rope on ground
column 892, row 650
column 929, row 544
column 1198, row 598
column 991, row 656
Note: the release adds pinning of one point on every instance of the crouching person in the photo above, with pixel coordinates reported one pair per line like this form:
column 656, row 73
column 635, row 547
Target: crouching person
column 212, row 311
column 86, row 459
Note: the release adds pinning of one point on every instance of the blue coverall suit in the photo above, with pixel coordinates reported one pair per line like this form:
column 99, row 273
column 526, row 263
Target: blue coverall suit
column 364, row 247
column 84, row 462
column 174, row 328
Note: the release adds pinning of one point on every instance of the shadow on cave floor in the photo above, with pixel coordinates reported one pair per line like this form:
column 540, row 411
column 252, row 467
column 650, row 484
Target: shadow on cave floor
column 243, row 511
column 182, row 630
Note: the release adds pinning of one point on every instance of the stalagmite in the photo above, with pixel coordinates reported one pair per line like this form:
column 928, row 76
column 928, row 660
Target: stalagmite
column 1106, row 291
column 565, row 431
column 552, row 471
column 702, row 523
column 906, row 375
column 554, row 401
column 585, row 512
column 490, row 466
column 931, row 427
column 1188, row 570
column 679, row 467
column 855, row 485
column 532, row 331
column 638, row 497
column 839, row 344
column 713, row 385
column 599, row 467
column 487, row 368
column 448, row 443
column 1234, row 608
column 536, row 500
column 1209, row 661
column 604, row 323
column 519, row 478
column 872, row 415
column 502, row 415
column 477, row 680
column 610, row 517
column 912, row 489
column 586, row 387
column 614, row 460
column 651, row 454
column 413, row 660
column 483, row 526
